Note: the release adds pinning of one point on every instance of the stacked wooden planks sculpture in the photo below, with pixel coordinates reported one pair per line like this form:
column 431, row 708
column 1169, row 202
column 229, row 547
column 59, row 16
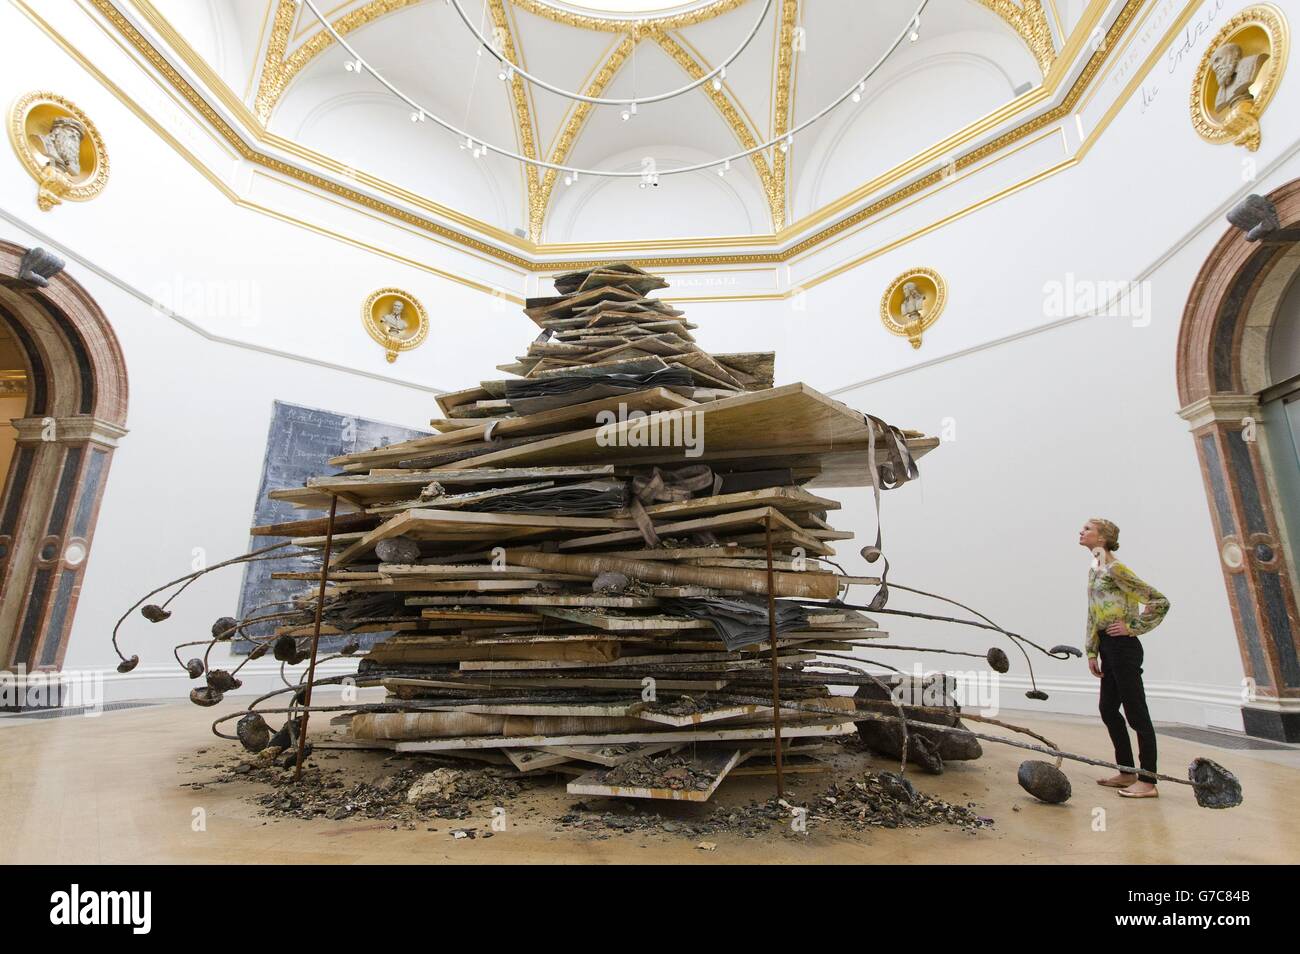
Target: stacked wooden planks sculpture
column 573, row 572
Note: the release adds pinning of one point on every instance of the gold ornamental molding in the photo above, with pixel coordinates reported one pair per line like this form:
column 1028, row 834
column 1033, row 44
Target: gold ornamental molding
column 913, row 302
column 744, row 135
column 278, row 70
column 593, row 21
column 1029, row 20
column 572, row 127
column 785, row 67
column 591, row 253
column 1238, row 74
column 396, row 320
column 527, row 133
column 13, row 383
column 59, row 147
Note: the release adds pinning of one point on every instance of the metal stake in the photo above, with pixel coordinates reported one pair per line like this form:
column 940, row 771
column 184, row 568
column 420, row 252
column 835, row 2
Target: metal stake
column 771, row 638
column 315, row 636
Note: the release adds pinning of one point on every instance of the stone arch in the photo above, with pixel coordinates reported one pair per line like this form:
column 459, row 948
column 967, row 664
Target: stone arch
column 76, row 412
column 1222, row 378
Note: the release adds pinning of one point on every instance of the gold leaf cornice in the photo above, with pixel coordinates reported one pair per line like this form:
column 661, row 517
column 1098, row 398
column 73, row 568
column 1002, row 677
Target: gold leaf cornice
column 278, row 70
column 1029, row 20
column 523, row 117
column 597, row 253
column 672, row 21
column 785, row 60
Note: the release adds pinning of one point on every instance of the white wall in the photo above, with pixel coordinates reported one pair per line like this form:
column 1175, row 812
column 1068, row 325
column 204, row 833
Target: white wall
column 1055, row 421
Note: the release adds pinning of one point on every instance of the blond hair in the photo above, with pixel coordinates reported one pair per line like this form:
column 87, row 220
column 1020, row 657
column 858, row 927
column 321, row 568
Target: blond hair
column 1108, row 531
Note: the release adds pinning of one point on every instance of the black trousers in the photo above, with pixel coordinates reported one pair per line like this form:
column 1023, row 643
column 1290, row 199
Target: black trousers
column 1121, row 685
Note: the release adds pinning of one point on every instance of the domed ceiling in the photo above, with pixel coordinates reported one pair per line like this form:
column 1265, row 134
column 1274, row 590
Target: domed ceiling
column 963, row 61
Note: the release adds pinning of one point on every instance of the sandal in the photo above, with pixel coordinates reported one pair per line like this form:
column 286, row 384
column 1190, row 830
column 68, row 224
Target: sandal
column 1125, row 793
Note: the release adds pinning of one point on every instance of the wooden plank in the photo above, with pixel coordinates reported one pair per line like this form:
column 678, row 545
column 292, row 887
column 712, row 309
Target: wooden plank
column 611, row 755
column 756, row 424
column 610, row 738
column 716, row 763
column 534, row 760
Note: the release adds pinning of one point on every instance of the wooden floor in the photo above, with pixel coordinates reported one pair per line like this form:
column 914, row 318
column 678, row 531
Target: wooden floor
column 122, row 788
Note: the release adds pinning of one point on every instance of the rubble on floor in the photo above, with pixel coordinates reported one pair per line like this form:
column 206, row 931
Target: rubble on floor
column 578, row 561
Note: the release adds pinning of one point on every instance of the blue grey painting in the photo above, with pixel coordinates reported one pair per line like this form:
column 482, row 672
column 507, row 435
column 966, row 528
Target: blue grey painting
column 299, row 445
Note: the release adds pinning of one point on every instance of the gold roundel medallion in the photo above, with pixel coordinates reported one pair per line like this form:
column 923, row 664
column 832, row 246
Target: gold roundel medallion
column 59, row 147
column 1238, row 75
column 913, row 302
column 396, row 320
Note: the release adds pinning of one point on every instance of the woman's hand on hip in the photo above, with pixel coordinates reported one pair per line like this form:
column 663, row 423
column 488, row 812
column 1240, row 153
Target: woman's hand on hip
column 1118, row 628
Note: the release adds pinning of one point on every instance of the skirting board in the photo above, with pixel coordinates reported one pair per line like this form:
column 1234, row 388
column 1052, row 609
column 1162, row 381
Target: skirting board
column 1185, row 703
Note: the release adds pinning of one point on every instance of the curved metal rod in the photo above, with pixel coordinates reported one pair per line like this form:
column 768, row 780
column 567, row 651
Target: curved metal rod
column 1045, row 750
column 187, row 578
column 788, row 136
column 1014, row 638
column 721, row 68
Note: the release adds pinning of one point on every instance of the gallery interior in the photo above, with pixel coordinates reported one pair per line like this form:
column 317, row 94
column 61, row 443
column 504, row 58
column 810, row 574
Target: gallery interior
column 668, row 431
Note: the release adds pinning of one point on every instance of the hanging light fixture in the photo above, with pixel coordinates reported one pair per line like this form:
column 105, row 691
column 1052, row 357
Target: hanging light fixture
column 637, row 29
column 783, row 142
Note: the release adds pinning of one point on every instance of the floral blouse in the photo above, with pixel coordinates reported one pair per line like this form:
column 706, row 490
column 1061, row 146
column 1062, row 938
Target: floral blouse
column 1114, row 595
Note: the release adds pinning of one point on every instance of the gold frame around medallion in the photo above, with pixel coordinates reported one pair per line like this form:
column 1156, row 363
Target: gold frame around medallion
column 1241, row 125
column 394, row 346
column 890, row 313
column 52, row 185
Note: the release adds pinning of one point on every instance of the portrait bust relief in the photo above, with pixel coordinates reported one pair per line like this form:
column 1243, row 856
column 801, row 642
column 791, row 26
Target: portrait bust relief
column 396, row 320
column 1237, row 76
column 913, row 302
column 59, row 147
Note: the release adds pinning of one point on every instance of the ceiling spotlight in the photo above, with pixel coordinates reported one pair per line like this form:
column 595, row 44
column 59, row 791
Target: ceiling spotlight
column 568, row 180
column 417, row 116
column 467, row 144
column 353, row 66
column 725, row 167
column 786, row 143
column 857, row 93
column 507, row 73
column 717, row 80
column 626, row 115
column 916, row 30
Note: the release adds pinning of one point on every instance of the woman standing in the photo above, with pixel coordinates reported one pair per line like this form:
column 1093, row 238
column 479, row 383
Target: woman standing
column 1115, row 595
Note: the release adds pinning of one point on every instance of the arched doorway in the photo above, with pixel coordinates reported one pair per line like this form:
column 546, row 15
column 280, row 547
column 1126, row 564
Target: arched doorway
column 72, row 385
column 1239, row 390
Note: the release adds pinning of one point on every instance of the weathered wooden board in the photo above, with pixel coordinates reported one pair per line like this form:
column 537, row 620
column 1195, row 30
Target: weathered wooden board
column 611, row 738
column 792, row 420
column 713, row 762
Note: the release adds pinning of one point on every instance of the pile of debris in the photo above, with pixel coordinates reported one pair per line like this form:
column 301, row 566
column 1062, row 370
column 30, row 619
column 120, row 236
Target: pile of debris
column 574, row 571
column 615, row 566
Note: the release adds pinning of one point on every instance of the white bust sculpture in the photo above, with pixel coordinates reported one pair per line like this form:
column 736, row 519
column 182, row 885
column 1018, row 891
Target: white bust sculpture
column 393, row 320
column 62, row 145
column 1235, row 73
column 913, row 303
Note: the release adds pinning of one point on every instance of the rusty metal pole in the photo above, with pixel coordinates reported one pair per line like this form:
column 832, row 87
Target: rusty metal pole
column 315, row 635
column 771, row 638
